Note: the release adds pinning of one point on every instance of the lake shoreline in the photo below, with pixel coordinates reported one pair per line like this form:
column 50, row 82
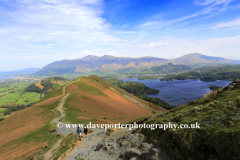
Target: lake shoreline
column 179, row 92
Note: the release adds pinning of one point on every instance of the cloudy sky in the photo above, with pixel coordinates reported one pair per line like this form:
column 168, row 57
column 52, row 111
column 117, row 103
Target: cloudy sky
column 34, row 33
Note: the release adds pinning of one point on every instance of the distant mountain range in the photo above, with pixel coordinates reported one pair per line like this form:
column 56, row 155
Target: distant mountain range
column 110, row 63
column 197, row 58
column 102, row 64
column 20, row 72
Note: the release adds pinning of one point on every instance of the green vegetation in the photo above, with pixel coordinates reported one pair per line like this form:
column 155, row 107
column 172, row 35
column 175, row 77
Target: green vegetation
column 148, row 77
column 12, row 91
column 218, row 135
column 54, row 93
column 89, row 89
column 157, row 101
column 13, row 96
column 71, row 114
column 47, row 85
column 13, row 107
column 164, row 68
column 65, row 145
column 214, row 88
column 140, row 90
column 212, row 73
column 136, row 88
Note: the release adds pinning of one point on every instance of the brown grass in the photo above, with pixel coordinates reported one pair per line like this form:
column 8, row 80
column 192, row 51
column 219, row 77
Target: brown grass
column 86, row 118
column 49, row 101
column 112, row 106
column 20, row 124
column 71, row 88
column 17, row 126
column 210, row 96
column 18, row 151
column 93, row 83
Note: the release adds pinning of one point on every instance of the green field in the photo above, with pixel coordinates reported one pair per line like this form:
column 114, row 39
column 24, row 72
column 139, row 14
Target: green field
column 12, row 93
column 2, row 110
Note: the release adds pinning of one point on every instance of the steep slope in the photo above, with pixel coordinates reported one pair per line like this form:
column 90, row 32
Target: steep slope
column 102, row 64
column 218, row 136
column 196, row 58
column 100, row 102
column 47, row 85
column 26, row 134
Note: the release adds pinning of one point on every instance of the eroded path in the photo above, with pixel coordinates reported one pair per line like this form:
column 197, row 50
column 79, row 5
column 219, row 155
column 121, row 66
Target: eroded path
column 121, row 144
column 49, row 154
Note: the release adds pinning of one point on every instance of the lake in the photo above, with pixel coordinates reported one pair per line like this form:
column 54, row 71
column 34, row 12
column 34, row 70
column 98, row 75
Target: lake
column 175, row 91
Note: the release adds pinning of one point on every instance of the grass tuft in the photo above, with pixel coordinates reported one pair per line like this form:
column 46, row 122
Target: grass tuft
column 210, row 96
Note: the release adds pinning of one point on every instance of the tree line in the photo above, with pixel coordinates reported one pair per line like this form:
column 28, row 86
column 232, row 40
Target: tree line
column 14, row 107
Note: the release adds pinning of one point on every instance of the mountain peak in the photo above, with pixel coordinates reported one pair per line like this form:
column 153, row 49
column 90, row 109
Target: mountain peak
column 88, row 57
column 193, row 58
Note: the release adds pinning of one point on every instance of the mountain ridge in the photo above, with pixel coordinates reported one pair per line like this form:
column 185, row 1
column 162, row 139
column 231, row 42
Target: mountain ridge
column 108, row 63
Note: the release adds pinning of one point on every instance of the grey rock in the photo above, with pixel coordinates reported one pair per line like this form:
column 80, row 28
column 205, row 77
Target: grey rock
column 145, row 146
column 124, row 143
column 106, row 148
column 133, row 152
column 99, row 146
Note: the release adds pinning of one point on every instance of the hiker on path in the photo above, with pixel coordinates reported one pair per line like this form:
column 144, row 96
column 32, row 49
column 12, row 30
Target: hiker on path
column 79, row 132
column 85, row 130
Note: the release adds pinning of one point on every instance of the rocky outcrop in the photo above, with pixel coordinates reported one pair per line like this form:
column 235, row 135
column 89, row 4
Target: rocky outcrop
column 121, row 144
column 129, row 145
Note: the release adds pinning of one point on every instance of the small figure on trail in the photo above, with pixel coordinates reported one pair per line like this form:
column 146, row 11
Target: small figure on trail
column 85, row 130
column 79, row 132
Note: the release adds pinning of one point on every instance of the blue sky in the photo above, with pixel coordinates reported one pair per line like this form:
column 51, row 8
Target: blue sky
column 34, row 33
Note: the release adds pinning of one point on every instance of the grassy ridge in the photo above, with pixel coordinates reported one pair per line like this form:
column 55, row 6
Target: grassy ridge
column 218, row 136
column 89, row 89
column 72, row 114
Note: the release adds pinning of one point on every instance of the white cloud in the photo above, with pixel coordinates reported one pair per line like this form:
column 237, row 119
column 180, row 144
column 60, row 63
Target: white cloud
column 233, row 23
column 65, row 24
column 209, row 7
column 215, row 2
column 172, row 47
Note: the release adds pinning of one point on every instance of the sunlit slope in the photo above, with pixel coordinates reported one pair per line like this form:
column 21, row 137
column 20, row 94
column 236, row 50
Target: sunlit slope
column 91, row 99
column 23, row 134
column 95, row 98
